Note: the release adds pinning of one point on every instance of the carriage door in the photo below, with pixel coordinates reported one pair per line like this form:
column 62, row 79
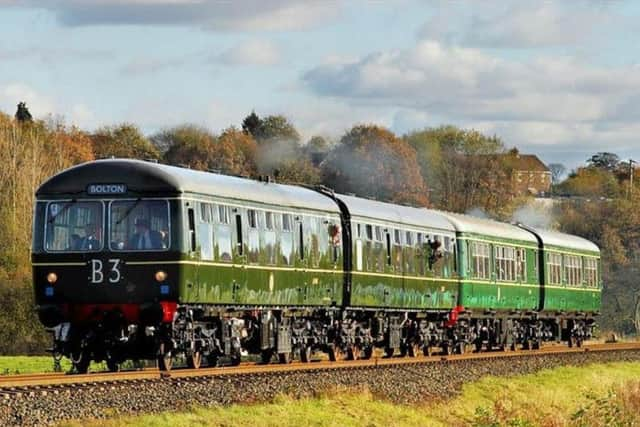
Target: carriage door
column 191, row 270
column 239, row 269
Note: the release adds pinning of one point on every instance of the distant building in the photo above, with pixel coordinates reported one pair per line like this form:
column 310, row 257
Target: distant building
column 529, row 174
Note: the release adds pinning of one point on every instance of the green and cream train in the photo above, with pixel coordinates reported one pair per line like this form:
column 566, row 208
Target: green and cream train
column 137, row 260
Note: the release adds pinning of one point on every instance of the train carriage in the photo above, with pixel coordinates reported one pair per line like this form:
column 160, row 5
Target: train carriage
column 498, row 265
column 396, row 257
column 137, row 260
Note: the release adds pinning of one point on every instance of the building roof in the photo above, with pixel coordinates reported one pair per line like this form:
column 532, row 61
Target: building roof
column 527, row 162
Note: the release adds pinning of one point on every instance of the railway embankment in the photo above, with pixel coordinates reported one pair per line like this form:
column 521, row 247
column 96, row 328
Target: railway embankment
column 418, row 382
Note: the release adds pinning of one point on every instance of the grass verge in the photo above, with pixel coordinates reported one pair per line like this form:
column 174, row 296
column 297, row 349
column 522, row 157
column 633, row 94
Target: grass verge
column 594, row 395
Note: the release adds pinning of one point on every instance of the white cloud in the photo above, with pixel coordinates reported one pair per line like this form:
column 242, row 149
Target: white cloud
column 518, row 24
column 468, row 83
column 553, row 103
column 251, row 52
column 247, row 15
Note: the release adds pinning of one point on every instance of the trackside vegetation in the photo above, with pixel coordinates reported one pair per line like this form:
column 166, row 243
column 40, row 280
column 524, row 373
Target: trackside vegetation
column 444, row 167
column 593, row 395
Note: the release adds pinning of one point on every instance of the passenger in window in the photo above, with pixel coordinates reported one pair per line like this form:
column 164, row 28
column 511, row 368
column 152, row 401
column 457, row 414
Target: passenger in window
column 75, row 242
column 435, row 252
column 92, row 237
column 145, row 238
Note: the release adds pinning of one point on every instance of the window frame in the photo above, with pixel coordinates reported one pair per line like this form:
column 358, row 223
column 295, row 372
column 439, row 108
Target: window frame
column 169, row 225
column 102, row 202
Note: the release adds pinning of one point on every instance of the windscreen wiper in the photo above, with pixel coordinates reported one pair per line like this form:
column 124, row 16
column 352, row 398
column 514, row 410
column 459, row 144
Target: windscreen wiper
column 64, row 208
column 126, row 214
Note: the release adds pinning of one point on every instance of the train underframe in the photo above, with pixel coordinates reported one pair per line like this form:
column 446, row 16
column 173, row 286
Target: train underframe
column 213, row 335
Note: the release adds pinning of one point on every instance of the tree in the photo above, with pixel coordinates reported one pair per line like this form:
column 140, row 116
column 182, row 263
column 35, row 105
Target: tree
column 276, row 127
column 23, row 114
column 189, row 146
column 604, row 160
column 123, row 141
column 557, row 172
column 590, row 182
column 235, row 153
column 465, row 169
column 370, row 161
column 278, row 143
column 251, row 124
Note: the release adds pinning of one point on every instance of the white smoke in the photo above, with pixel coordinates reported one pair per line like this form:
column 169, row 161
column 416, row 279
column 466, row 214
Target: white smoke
column 538, row 213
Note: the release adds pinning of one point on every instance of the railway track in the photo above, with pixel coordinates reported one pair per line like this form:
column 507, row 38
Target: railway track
column 26, row 383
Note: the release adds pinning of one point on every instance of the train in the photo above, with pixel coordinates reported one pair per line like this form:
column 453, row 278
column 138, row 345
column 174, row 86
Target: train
column 136, row 260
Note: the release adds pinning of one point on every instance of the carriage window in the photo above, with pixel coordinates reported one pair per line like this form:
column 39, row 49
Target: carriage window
column 223, row 214
column 222, row 239
column 378, row 233
column 591, row 272
column 521, row 264
column 554, row 262
column 480, row 260
column 252, row 218
column 139, row 225
column 505, row 259
column 396, row 237
column 205, row 212
column 369, row 231
column 74, row 227
column 286, row 222
column 573, row 270
column 268, row 220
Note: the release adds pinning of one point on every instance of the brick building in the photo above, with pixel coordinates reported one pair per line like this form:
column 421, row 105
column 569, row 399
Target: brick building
column 530, row 175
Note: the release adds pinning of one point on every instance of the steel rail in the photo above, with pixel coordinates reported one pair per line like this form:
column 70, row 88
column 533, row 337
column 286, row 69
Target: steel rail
column 10, row 384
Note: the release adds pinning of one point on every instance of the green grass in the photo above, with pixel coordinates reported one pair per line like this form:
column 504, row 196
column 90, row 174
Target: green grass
column 595, row 395
column 10, row 365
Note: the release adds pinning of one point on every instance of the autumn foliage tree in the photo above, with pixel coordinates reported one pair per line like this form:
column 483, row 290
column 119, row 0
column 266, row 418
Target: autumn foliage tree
column 464, row 168
column 370, row 161
column 123, row 141
column 30, row 153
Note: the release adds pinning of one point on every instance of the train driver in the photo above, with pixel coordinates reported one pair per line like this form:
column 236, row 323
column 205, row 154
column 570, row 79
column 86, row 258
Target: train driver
column 92, row 237
column 144, row 237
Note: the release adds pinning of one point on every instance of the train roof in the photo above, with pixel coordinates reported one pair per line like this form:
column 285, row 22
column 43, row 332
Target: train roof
column 148, row 177
column 470, row 224
column 569, row 241
column 395, row 213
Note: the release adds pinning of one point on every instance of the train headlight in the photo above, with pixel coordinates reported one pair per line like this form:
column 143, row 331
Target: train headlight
column 161, row 276
column 52, row 278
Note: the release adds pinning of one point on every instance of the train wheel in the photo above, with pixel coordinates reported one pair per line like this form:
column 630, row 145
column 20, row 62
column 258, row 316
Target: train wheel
column 80, row 360
column 235, row 359
column 427, row 351
column 447, row 349
column 367, row 352
column 284, row 358
column 353, row 352
column 335, row 353
column 414, row 349
column 165, row 359
column 112, row 362
column 388, row 352
column 194, row 360
column 265, row 356
column 212, row 360
column 305, row 354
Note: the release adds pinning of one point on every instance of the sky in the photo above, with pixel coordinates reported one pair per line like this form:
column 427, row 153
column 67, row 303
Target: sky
column 556, row 79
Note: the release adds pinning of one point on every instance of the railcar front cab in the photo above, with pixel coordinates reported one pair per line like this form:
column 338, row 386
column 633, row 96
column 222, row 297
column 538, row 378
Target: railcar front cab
column 105, row 271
